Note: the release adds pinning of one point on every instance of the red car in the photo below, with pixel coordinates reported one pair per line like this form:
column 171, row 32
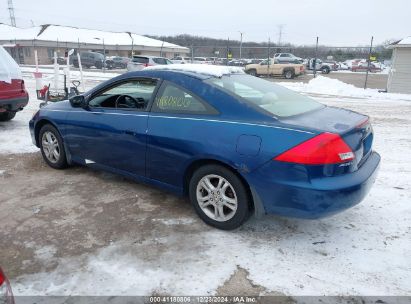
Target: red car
column 13, row 94
column 6, row 295
column 362, row 67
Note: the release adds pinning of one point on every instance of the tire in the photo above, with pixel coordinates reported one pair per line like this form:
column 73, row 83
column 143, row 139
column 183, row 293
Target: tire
column 252, row 72
column 325, row 70
column 6, row 116
column 98, row 65
column 289, row 74
column 228, row 208
column 49, row 134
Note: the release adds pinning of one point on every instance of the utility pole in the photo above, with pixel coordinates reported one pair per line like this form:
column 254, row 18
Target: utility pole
column 369, row 63
column 11, row 12
column 228, row 48
column 241, row 44
column 280, row 33
column 315, row 59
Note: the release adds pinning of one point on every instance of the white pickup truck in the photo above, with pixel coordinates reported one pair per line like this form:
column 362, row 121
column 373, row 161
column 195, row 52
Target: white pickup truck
column 320, row 66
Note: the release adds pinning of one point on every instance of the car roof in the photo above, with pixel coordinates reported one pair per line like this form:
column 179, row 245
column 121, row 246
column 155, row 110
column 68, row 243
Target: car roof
column 200, row 70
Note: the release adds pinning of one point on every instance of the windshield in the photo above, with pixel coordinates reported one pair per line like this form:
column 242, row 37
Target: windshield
column 271, row 97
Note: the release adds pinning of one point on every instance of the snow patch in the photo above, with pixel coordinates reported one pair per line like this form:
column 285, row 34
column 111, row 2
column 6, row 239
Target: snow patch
column 328, row 86
column 177, row 221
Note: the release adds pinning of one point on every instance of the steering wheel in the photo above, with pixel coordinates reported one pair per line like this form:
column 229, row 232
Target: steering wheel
column 137, row 103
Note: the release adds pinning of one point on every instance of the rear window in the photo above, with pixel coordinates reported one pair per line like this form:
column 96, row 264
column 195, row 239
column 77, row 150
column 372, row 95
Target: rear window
column 140, row 59
column 270, row 97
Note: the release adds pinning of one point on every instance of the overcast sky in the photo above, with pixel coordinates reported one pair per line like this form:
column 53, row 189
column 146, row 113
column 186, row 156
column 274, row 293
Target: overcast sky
column 336, row 22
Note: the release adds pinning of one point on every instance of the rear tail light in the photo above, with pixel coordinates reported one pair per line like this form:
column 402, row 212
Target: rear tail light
column 6, row 295
column 325, row 148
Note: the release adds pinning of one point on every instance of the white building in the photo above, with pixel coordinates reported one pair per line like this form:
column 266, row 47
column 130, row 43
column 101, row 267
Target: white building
column 46, row 39
column 399, row 78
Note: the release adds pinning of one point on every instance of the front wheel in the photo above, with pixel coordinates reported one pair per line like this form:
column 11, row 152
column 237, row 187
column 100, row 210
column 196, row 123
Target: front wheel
column 52, row 147
column 219, row 197
column 6, row 116
column 252, row 72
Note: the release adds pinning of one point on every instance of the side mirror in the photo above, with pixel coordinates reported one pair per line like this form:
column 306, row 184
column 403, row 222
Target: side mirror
column 78, row 101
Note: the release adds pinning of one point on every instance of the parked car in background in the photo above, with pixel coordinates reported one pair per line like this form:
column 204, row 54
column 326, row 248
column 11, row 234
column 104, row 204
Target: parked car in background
column 351, row 62
column 342, row 66
column 181, row 60
column 287, row 58
column 117, row 62
column 233, row 143
column 201, row 60
column 221, row 61
column 321, row 66
column 6, row 294
column 89, row 59
column 13, row 93
column 256, row 61
column 237, row 62
column 139, row 62
column 274, row 68
column 333, row 65
column 363, row 67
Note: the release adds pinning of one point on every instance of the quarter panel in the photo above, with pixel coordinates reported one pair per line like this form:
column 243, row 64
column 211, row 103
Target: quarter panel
column 174, row 142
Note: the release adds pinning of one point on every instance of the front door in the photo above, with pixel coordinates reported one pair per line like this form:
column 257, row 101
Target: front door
column 111, row 132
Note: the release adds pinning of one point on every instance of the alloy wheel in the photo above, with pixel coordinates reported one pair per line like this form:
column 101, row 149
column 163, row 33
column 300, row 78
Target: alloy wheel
column 50, row 147
column 216, row 197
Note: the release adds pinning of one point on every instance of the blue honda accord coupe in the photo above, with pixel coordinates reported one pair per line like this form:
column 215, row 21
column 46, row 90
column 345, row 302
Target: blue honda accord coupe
column 234, row 143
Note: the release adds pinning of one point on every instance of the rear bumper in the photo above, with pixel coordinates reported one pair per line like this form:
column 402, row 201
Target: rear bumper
column 314, row 198
column 14, row 104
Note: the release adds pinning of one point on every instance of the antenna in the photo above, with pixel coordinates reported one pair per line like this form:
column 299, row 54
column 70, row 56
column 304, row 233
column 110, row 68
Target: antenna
column 11, row 11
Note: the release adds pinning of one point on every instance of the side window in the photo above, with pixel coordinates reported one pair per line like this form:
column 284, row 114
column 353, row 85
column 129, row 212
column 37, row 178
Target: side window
column 173, row 99
column 132, row 94
column 284, row 55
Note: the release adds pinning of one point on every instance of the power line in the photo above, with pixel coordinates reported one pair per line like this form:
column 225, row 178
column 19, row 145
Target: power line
column 11, row 12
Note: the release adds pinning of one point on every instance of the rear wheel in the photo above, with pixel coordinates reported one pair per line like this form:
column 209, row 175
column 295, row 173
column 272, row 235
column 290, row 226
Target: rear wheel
column 219, row 197
column 6, row 116
column 52, row 148
column 289, row 74
column 325, row 70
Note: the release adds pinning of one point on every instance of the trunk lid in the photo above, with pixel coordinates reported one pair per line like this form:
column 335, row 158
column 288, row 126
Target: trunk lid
column 354, row 128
